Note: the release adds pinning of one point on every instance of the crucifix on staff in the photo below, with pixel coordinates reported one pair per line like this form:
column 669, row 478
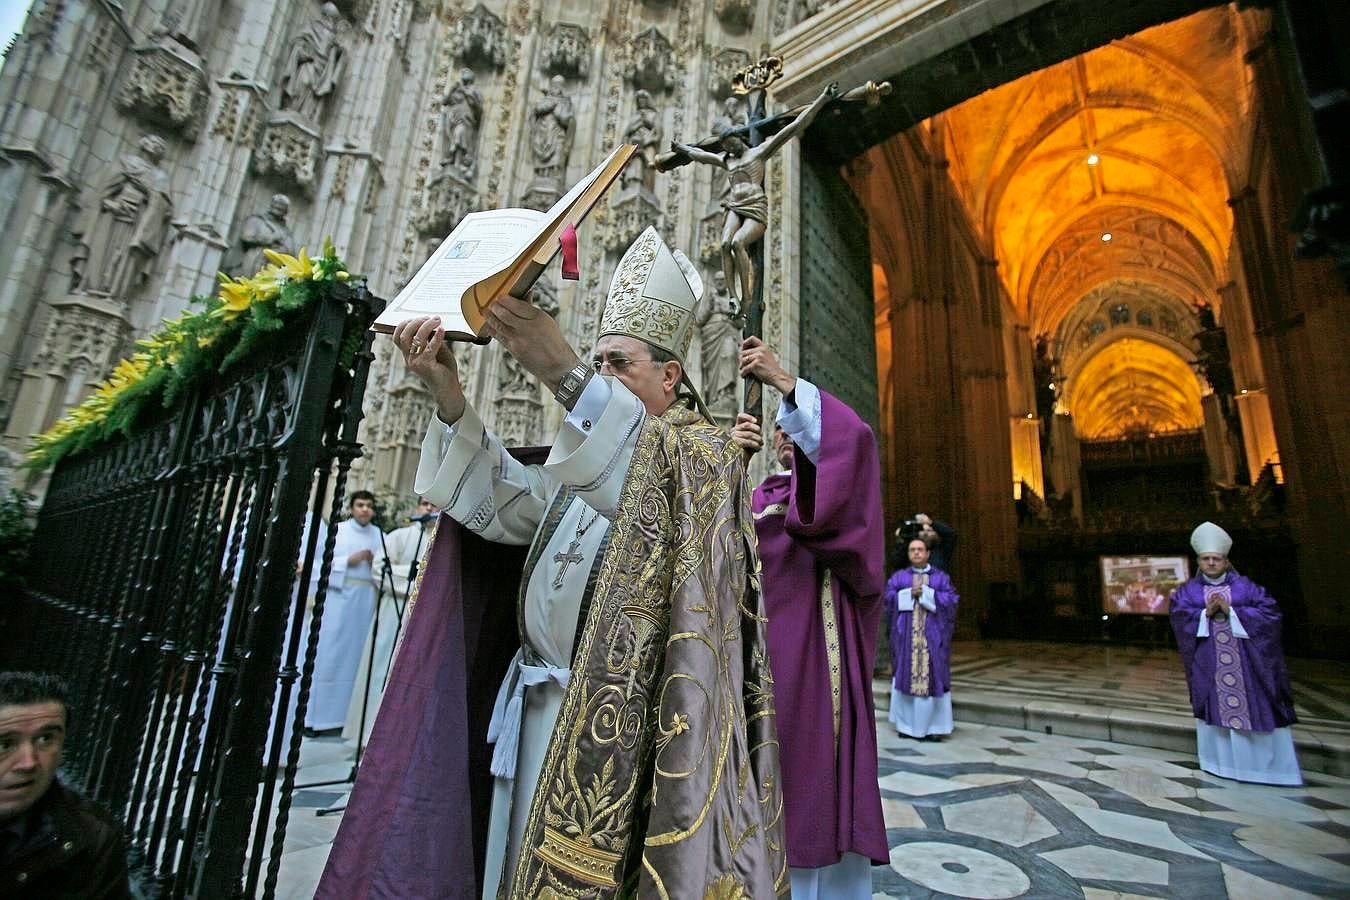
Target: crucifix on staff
column 743, row 152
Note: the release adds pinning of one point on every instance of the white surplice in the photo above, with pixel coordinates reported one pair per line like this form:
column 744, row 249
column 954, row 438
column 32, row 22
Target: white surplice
column 402, row 546
column 467, row 472
column 347, row 615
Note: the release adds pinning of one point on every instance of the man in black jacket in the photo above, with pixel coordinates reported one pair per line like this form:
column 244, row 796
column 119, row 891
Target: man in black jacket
column 53, row 843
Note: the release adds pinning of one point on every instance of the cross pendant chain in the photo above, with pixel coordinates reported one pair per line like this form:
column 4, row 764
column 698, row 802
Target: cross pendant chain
column 571, row 557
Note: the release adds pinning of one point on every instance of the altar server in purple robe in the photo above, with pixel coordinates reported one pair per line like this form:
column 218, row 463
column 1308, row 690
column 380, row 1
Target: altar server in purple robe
column 822, row 549
column 1228, row 632
column 921, row 604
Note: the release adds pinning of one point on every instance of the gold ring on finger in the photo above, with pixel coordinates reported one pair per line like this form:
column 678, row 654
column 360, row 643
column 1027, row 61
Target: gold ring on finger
column 416, row 348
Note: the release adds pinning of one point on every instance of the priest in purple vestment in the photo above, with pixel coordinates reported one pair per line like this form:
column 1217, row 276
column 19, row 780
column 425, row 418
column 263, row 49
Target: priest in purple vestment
column 921, row 604
column 1228, row 632
column 822, row 548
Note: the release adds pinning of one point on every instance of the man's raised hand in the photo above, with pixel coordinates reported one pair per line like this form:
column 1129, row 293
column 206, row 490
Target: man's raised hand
column 759, row 363
column 428, row 356
column 747, row 434
column 532, row 337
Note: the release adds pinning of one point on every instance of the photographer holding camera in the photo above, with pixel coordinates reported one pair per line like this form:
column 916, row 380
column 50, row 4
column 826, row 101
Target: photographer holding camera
column 939, row 536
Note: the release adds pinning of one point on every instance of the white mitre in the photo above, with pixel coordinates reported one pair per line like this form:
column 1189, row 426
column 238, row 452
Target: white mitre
column 1210, row 538
column 653, row 297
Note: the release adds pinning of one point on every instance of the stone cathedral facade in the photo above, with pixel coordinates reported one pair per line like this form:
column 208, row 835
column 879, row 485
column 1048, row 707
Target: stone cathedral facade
column 148, row 144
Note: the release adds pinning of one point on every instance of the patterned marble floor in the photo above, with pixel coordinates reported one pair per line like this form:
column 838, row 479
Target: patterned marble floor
column 1129, row 677
column 996, row 812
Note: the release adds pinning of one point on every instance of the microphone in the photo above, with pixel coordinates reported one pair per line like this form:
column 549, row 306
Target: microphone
column 425, row 517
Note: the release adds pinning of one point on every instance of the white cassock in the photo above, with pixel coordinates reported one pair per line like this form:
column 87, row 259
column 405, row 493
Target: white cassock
column 347, row 613
column 403, row 546
column 468, row 473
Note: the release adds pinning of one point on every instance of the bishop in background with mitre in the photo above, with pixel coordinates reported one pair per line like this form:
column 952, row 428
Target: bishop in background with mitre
column 634, row 747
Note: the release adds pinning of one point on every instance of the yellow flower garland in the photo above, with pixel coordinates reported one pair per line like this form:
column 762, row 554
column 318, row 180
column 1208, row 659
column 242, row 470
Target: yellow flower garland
column 187, row 333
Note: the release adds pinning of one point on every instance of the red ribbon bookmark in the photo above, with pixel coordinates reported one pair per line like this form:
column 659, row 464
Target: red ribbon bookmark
column 568, row 239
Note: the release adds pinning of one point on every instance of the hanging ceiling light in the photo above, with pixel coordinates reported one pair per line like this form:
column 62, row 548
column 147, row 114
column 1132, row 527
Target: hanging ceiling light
column 1093, row 159
column 1106, row 237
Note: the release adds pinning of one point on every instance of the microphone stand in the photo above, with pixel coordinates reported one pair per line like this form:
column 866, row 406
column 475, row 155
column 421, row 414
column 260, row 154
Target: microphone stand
column 386, row 576
column 400, row 608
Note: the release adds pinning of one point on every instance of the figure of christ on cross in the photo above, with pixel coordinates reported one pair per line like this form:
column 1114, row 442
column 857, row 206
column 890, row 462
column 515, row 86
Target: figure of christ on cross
column 746, row 203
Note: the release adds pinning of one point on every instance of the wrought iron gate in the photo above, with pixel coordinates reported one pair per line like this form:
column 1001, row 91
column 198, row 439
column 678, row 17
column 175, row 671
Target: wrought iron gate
column 167, row 570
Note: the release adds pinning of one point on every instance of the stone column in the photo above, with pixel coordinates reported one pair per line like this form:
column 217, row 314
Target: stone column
column 1218, row 447
column 42, row 150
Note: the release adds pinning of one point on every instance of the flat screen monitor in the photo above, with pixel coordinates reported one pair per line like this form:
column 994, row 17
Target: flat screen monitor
column 1141, row 585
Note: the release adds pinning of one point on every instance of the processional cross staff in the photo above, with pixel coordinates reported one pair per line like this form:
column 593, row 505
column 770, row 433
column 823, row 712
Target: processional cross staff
column 744, row 151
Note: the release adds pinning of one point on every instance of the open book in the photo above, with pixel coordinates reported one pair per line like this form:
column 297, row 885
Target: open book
column 494, row 253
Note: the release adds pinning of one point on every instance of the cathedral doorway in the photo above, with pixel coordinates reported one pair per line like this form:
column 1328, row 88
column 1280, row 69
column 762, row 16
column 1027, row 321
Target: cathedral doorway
column 1043, row 270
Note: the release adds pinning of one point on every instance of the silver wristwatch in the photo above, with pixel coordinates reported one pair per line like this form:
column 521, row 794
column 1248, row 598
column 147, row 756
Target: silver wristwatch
column 572, row 383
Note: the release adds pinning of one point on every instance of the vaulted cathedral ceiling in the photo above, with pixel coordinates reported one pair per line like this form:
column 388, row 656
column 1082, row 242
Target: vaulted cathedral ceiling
column 1134, row 386
column 1107, row 176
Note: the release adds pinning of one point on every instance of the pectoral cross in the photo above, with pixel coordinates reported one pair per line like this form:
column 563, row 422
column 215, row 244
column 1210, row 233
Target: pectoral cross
column 566, row 559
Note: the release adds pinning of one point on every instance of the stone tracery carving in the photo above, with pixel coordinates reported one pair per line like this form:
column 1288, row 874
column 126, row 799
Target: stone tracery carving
column 479, row 37
column 166, row 89
column 289, row 153
column 725, row 63
column 314, row 66
column 651, row 62
column 567, row 52
column 75, row 334
column 735, row 13
column 125, row 224
column 448, row 198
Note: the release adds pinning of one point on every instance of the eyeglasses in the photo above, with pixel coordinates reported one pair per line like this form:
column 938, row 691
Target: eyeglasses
column 617, row 364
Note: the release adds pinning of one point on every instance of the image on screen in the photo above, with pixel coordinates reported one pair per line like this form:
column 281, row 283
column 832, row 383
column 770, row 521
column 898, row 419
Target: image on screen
column 1141, row 585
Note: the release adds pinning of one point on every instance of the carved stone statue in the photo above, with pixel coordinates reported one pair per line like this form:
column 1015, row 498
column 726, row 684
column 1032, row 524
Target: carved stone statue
column 746, row 203
column 553, row 132
column 261, row 231
column 463, row 115
column 314, row 66
column 125, row 224
column 732, row 115
column 720, row 323
column 644, row 129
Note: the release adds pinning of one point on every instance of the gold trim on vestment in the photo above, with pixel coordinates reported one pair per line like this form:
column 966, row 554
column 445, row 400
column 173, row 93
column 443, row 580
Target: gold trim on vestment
column 827, row 616
column 919, row 663
column 579, row 860
column 632, row 781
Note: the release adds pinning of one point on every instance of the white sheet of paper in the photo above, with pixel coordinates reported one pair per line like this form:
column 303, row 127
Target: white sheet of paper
column 481, row 244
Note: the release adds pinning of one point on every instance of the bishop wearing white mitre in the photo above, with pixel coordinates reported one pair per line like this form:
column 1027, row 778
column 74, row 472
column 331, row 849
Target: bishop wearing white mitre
column 466, row 470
